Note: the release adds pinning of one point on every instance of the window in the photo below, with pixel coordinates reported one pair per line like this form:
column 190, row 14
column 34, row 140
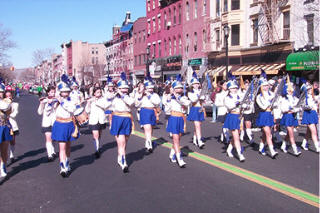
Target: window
column 153, row 4
column 170, row 47
column 217, row 39
column 187, row 43
column 135, row 60
column 165, row 20
column 195, row 8
column 310, row 28
column 235, row 5
column 174, row 46
column 169, row 13
column 154, row 50
column 165, row 47
column 286, row 25
column 255, row 30
column 235, row 35
column 204, row 7
column 180, row 45
column 92, row 60
column 159, row 50
column 154, row 24
column 148, row 5
column 225, row 6
column 139, row 36
column 149, row 27
column 195, row 45
column 174, row 16
column 139, row 59
column 159, row 23
column 204, row 38
column 180, row 14
column 187, row 11
column 135, row 38
column 97, row 60
column 217, row 8
column 144, row 36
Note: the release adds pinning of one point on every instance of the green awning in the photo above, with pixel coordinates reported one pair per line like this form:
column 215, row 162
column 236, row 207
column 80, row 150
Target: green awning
column 308, row 60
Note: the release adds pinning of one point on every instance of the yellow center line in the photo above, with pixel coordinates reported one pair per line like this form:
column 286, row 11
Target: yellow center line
column 283, row 188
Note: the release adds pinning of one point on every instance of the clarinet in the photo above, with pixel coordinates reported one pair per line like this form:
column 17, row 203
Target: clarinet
column 278, row 92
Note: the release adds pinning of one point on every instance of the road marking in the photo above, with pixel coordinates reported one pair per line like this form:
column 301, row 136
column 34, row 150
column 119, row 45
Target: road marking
column 283, row 188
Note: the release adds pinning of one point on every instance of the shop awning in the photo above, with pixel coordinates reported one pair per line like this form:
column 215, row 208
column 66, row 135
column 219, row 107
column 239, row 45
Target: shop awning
column 308, row 60
column 270, row 69
column 218, row 71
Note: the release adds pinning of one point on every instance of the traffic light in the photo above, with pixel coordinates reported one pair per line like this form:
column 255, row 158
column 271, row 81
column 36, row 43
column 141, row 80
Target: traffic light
column 12, row 68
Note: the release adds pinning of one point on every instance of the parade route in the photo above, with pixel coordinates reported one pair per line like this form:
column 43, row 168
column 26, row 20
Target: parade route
column 211, row 182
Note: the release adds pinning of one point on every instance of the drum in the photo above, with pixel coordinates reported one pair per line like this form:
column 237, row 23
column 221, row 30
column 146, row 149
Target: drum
column 81, row 116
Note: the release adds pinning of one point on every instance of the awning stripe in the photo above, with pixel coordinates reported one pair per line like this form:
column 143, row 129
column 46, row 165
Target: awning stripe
column 256, row 69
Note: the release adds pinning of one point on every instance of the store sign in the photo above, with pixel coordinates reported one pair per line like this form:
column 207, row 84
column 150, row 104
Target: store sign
column 195, row 62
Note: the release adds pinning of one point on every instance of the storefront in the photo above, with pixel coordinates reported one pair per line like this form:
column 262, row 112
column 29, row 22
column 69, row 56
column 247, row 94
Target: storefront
column 304, row 64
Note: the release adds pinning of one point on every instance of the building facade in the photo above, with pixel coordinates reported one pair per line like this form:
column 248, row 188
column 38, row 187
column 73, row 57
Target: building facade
column 81, row 55
column 140, row 46
column 164, row 37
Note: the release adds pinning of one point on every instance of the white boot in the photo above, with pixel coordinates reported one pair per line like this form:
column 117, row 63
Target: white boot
column 241, row 135
column 317, row 147
column 195, row 140
column 240, row 155
column 249, row 134
column 226, row 134
column 172, row 156
column 229, row 150
column 63, row 170
column 123, row 163
column 221, row 137
column 295, row 149
column 262, row 150
column 180, row 161
column 3, row 170
column 200, row 143
column 284, row 146
column 49, row 151
column 304, row 144
column 273, row 152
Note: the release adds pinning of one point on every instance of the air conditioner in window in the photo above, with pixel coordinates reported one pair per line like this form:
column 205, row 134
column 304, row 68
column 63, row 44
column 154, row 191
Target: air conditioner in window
column 169, row 24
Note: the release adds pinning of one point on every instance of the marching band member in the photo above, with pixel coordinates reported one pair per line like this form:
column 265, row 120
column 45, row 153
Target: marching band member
column 248, row 114
column 222, row 111
column 75, row 95
column 122, row 123
column 147, row 101
column 196, row 113
column 109, row 94
column 5, row 137
column 96, row 106
column 276, row 111
column 166, row 99
column 287, row 105
column 265, row 118
column 47, row 108
column 178, row 103
column 310, row 117
column 13, row 123
column 65, row 129
column 232, row 121
column 134, row 95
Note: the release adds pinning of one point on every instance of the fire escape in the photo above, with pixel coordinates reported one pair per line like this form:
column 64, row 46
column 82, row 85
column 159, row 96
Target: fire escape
column 270, row 11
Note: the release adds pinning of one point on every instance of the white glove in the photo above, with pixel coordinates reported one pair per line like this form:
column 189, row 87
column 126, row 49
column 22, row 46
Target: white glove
column 202, row 97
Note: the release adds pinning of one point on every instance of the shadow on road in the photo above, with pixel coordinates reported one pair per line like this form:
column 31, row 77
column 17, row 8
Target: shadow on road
column 89, row 159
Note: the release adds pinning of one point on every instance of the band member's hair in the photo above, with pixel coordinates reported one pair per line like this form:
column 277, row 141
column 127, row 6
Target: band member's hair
column 95, row 89
column 49, row 89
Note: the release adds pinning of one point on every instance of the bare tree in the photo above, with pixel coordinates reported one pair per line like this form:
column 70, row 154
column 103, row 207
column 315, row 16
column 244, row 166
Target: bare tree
column 5, row 44
column 41, row 55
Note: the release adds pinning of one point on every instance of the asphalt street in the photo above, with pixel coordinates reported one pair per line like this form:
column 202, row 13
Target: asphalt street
column 211, row 182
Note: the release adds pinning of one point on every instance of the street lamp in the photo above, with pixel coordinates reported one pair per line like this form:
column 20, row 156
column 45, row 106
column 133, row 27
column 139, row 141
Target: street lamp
column 226, row 30
column 147, row 62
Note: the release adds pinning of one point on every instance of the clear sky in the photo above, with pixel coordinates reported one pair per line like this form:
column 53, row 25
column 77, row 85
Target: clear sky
column 41, row 24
